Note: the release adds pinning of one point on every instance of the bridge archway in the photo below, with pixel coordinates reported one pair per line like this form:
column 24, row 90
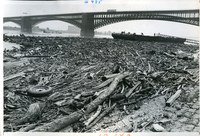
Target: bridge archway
column 149, row 27
column 63, row 22
column 12, row 23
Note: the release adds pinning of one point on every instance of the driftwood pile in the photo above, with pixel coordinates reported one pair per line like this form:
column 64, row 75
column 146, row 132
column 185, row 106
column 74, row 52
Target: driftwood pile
column 89, row 78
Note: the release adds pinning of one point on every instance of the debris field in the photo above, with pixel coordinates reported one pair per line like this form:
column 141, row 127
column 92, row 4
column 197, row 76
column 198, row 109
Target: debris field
column 75, row 84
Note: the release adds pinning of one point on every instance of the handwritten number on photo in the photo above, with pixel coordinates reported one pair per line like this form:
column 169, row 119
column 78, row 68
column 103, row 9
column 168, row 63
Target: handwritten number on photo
column 100, row 1
column 93, row 1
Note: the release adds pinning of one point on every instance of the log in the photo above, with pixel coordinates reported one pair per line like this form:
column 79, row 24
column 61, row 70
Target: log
column 56, row 97
column 100, row 92
column 86, row 94
column 59, row 123
column 33, row 113
column 105, row 83
column 169, row 55
column 111, row 75
column 29, row 127
column 75, row 116
column 101, row 98
column 122, row 91
column 13, row 76
column 94, row 116
column 29, row 56
column 117, row 97
column 173, row 98
column 109, row 109
column 149, row 68
column 64, row 102
column 135, row 127
column 131, row 90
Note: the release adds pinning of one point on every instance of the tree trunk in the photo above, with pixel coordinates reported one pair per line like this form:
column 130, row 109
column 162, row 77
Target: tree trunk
column 101, row 98
column 59, row 123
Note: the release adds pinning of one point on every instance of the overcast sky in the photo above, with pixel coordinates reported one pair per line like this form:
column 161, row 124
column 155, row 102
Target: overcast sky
column 17, row 8
column 20, row 8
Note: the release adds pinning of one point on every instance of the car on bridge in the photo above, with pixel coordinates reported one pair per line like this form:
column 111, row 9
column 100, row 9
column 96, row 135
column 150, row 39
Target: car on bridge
column 111, row 10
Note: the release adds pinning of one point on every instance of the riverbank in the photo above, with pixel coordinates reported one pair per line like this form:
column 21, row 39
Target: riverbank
column 74, row 67
column 10, row 33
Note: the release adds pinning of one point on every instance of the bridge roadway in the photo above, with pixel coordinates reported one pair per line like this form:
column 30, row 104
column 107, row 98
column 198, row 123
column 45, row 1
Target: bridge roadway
column 90, row 21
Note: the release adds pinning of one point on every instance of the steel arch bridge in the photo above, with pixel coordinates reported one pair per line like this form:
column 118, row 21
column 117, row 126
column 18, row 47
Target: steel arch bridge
column 88, row 22
column 183, row 16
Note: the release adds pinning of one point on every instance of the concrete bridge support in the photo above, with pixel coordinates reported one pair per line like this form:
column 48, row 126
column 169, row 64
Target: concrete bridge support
column 26, row 25
column 87, row 28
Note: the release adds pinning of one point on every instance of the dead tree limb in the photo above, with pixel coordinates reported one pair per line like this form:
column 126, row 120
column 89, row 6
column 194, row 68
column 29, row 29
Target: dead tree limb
column 105, row 83
column 101, row 98
column 132, row 89
column 94, row 116
column 74, row 117
column 100, row 92
column 169, row 55
column 101, row 116
column 59, row 123
column 111, row 75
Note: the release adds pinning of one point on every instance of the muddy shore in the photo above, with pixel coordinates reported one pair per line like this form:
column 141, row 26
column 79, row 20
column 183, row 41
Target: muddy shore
column 74, row 67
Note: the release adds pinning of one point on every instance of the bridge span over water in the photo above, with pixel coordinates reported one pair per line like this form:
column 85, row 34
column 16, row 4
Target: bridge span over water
column 90, row 21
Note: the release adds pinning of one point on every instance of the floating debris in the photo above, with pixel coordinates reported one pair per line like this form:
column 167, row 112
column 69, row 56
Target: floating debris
column 82, row 81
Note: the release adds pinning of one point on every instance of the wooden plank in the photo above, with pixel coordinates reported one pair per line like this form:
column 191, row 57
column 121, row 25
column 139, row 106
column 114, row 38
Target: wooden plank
column 13, row 76
column 173, row 98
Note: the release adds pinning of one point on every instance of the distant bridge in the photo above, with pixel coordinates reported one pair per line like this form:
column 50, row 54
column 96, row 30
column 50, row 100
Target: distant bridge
column 88, row 22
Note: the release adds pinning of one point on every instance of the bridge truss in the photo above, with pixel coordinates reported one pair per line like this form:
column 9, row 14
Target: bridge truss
column 88, row 22
column 182, row 16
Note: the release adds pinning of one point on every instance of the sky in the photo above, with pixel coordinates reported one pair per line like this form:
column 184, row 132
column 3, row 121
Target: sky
column 22, row 8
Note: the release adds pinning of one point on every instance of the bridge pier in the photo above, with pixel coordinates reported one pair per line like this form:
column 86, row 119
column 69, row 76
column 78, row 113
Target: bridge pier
column 26, row 25
column 87, row 28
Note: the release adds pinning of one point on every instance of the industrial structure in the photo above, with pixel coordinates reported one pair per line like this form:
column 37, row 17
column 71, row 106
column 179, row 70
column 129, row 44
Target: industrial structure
column 88, row 22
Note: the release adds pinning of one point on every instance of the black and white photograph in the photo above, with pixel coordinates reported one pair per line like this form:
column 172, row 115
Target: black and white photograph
column 100, row 67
